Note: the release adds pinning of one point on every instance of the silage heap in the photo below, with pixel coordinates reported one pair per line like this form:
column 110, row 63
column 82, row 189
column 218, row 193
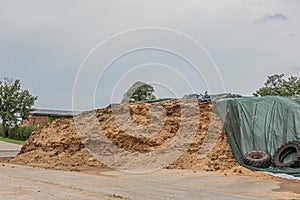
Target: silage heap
column 58, row 145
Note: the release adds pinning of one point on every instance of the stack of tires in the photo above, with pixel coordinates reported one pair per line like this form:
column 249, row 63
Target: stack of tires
column 261, row 159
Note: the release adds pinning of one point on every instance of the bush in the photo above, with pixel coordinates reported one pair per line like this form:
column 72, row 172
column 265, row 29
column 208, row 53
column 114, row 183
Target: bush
column 1, row 130
column 21, row 132
column 53, row 118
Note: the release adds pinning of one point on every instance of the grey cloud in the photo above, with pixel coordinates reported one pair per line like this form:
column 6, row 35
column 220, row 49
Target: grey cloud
column 274, row 17
column 296, row 68
column 44, row 42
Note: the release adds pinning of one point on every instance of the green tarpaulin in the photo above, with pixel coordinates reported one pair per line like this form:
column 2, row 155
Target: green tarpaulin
column 260, row 123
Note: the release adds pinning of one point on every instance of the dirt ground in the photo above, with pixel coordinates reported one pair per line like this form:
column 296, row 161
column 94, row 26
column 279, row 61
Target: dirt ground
column 24, row 182
column 58, row 145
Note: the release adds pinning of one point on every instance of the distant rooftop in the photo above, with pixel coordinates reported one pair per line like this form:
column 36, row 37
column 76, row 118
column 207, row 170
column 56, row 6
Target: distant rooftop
column 48, row 112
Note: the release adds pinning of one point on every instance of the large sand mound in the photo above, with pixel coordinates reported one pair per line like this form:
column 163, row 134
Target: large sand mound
column 58, row 145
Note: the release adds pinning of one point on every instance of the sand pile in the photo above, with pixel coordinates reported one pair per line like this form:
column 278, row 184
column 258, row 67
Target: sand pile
column 56, row 146
column 59, row 146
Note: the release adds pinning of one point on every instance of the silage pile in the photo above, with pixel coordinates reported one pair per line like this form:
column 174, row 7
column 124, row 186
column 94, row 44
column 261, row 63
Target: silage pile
column 58, row 145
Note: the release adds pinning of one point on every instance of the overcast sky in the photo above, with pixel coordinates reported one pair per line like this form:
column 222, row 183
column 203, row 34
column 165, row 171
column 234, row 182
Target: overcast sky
column 44, row 43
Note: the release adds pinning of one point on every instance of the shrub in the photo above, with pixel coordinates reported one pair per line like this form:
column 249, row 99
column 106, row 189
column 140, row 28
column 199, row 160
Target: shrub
column 53, row 118
column 1, row 130
column 21, row 132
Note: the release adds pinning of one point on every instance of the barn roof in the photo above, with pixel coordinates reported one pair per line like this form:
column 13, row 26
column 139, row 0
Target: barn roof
column 48, row 112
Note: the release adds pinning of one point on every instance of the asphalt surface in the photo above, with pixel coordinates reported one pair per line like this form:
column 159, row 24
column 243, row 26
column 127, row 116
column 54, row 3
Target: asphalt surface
column 9, row 149
column 23, row 182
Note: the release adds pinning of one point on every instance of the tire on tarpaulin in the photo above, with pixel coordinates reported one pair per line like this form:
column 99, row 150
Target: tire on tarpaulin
column 285, row 150
column 259, row 159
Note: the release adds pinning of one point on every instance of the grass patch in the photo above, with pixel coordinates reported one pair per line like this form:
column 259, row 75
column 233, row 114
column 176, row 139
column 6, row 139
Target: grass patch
column 11, row 140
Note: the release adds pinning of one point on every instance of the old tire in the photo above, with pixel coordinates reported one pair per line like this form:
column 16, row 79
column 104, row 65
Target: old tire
column 259, row 159
column 284, row 151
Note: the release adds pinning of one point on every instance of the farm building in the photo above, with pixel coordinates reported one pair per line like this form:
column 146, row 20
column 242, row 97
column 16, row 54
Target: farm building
column 41, row 117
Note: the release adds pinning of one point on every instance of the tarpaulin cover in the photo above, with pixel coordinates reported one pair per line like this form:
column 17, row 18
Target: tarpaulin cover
column 260, row 123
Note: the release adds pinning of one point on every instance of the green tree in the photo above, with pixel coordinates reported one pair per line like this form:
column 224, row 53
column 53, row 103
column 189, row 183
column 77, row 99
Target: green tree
column 15, row 104
column 230, row 95
column 138, row 92
column 276, row 85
